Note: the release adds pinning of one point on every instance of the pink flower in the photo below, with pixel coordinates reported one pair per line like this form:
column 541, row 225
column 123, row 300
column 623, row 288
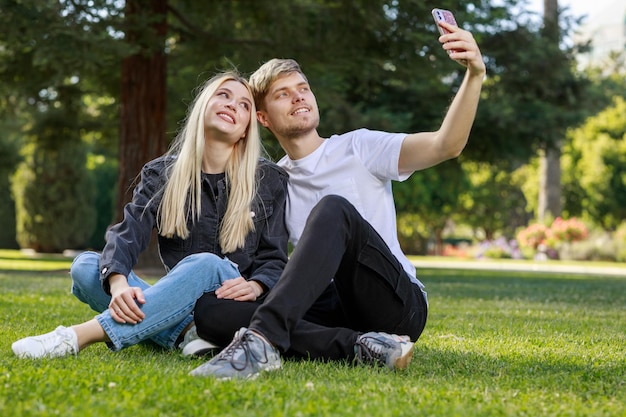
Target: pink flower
column 561, row 231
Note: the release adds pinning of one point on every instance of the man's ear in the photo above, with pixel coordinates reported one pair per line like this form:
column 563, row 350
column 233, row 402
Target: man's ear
column 262, row 118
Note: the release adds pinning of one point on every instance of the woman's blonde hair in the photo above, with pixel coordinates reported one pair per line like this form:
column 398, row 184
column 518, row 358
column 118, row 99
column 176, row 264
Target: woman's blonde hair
column 182, row 193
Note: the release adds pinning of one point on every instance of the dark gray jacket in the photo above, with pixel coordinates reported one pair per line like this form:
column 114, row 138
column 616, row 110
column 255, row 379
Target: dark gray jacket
column 262, row 258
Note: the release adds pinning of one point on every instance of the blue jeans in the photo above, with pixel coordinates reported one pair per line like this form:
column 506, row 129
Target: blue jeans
column 169, row 302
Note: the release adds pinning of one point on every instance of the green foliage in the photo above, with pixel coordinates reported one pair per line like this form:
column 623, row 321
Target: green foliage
column 52, row 188
column 46, row 41
column 497, row 343
column 7, row 215
column 413, row 234
column 620, row 242
column 104, row 173
column 607, row 80
column 594, row 165
column 53, row 196
column 494, row 202
column 531, row 96
column 432, row 196
column 9, row 158
column 432, row 190
column 372, row 63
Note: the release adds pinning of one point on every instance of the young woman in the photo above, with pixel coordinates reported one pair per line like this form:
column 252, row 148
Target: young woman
column 219, row 212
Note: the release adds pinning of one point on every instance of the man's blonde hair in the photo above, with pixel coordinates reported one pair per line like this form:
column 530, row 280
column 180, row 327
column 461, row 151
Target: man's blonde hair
column 262, row 78
column 182, row 193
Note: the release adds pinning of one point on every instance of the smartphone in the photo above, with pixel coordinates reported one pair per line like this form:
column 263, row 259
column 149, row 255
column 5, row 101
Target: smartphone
column 442, row 15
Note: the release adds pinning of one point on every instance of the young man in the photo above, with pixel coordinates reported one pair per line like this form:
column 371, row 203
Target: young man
column 347, row 291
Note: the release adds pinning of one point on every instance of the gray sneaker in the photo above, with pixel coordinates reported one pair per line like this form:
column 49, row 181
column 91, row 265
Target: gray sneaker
column 60, row 342
column 246, row 357
column 193, row 345
column 390, row 350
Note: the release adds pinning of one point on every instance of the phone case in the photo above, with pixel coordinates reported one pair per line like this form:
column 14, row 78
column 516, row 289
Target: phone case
column 442, row 15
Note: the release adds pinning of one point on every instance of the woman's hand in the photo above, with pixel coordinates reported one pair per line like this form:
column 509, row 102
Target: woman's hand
column 123, row 306
column 239, row 289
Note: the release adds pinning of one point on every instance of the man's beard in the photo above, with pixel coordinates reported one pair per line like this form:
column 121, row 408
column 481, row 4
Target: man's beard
column 295, row 131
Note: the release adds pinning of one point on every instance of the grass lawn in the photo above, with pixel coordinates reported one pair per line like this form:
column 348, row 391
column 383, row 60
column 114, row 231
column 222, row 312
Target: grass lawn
column 496, row 344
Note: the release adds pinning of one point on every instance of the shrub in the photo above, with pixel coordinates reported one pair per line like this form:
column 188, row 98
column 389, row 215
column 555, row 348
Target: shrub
column 566, row 231
column 599, row 246
column 500, row 248
column 619, row 238
column 412, row 234
column 54, row 199
column 550, row 240
column 533, row 236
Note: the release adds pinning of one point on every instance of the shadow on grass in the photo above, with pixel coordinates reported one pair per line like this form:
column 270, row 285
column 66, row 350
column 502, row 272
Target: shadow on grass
column 525, row 372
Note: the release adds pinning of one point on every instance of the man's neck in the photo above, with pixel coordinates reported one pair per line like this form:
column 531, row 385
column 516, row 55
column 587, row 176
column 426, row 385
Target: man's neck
column 298, row 147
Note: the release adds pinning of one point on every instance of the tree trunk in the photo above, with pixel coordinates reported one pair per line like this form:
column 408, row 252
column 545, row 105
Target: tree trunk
column 438, row 241
column 142, row 101
column 550, row 182
column 550, row 159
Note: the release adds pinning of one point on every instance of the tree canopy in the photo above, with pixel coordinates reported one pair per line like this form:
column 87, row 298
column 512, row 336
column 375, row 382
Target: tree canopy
column 371, row 63
column 374, row 63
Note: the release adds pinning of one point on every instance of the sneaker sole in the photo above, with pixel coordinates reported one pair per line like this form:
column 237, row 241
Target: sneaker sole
column 199, row 347
column 403, row 361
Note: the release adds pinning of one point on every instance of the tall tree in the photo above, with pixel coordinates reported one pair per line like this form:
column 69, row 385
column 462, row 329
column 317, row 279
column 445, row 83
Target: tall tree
column 142, row 102
column 550, row 155
column 143, row 93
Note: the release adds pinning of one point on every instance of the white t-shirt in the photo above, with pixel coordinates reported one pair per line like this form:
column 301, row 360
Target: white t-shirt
column 358, row 166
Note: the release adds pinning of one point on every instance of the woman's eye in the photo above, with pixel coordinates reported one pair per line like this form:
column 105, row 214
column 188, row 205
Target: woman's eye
column 245, row 106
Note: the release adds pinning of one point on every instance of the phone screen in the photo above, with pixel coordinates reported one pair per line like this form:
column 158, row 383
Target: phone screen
column 442, row 15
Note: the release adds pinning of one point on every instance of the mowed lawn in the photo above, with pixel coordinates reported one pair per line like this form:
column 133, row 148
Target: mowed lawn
column 496, row 344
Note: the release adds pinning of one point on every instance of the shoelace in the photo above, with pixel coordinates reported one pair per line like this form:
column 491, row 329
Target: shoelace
column 372, row 352
column 242, row 343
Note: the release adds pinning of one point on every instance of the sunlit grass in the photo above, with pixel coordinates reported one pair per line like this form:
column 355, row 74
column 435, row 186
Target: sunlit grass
column 13, row 260
column 496, row 344
column 549, row 262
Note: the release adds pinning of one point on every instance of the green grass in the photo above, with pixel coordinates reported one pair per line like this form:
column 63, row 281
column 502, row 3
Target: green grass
column 12, row 260
column 496, row 344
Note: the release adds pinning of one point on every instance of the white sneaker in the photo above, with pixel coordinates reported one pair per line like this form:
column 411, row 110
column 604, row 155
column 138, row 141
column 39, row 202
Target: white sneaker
column 60, row 342
column 193, row 345
column 378, row 348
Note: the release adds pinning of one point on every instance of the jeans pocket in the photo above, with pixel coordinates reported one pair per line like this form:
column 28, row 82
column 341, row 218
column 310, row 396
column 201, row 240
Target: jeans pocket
column 377, row 256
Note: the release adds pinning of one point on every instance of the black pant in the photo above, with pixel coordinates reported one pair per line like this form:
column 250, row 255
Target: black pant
column 341, row 281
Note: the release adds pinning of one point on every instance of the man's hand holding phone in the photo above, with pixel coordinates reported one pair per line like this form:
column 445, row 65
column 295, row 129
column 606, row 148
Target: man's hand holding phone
column 445, row 16
column 458, row 43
